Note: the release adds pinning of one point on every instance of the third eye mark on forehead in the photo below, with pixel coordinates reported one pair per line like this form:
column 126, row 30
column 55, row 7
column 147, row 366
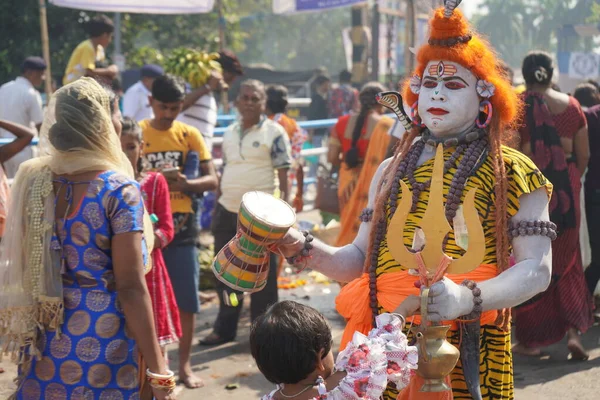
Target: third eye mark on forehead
column 446, row 79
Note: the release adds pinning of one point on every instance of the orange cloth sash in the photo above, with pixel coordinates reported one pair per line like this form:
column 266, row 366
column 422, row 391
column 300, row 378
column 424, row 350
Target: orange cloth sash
column 392, row 288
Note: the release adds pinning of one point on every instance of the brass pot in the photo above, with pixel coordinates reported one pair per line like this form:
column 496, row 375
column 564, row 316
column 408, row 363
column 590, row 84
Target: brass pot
column 437, row 357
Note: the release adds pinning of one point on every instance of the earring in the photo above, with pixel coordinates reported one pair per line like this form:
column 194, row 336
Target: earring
column 487, row 107
column 413, row 115
column 415, row 84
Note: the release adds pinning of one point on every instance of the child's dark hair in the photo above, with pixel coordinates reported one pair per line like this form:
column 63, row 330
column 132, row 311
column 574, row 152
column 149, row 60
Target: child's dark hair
column 286, row 342
column 131, row 128
column 100, row 25
column 168, row 89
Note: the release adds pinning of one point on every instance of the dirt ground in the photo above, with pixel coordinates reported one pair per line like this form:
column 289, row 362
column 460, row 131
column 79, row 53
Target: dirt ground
column 550, row 377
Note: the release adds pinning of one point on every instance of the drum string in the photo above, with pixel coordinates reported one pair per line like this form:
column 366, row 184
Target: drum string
column 253, row 253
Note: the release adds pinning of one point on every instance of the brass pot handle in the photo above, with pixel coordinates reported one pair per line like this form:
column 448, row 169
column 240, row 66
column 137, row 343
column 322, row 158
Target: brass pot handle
column 422, row 344
column 424, row 302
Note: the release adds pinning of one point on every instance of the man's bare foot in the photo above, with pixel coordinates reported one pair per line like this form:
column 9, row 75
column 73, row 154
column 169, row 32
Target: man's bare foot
column 206, row 297
column 526, row 351
column 574, row 345
column 1, row 370
column 190, row 380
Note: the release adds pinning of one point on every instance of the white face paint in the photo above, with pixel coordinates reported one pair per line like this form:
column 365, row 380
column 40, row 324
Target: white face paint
column 448, row 100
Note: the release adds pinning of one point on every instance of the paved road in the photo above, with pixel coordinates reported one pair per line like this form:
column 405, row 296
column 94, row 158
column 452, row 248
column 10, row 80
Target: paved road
column 550, row 377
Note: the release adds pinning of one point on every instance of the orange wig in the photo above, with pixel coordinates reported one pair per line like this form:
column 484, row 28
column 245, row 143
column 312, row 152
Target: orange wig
column 475, row 55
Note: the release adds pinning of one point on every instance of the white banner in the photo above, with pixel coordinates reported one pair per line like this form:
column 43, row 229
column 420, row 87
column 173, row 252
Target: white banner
column 584, row 66
column 295, row 6
column 140, row 6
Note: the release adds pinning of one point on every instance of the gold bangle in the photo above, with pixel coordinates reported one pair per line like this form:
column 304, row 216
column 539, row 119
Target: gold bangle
column 161, row 382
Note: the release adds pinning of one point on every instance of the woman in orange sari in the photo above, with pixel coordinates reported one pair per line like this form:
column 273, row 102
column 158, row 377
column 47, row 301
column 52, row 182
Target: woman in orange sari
column 349, row 147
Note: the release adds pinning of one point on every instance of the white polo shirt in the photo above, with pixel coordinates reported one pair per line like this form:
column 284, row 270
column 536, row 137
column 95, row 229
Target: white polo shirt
column 251, row 160
column 20, row 103
column 136, row 104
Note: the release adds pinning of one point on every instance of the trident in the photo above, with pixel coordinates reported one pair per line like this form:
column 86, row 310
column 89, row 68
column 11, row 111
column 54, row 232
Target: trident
column 437, row 357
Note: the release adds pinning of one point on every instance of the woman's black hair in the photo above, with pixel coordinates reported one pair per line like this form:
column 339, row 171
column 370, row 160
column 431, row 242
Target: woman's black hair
column 287, row 340
column 277, row 98
column 538, row 68
column 587, row 95
column 367, row 98
column 131, row 128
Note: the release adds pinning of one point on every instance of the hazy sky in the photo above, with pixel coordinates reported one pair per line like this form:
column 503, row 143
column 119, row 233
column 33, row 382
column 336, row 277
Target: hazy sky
column 469, row 6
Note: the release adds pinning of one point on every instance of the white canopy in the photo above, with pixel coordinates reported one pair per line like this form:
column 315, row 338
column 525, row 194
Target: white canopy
column 140, row 6
column 296, row 6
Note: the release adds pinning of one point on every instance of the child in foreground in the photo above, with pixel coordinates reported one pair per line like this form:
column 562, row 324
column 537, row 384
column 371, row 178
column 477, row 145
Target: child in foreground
column 292, row 346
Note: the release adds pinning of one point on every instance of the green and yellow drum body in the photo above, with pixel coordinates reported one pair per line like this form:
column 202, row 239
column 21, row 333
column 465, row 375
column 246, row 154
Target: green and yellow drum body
column 243, row 263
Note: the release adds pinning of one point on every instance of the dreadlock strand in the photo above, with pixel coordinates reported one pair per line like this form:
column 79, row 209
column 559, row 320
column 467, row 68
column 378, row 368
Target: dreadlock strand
column 501, row 190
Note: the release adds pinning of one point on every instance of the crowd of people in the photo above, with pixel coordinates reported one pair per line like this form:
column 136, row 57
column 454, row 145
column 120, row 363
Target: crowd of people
column 99, row 252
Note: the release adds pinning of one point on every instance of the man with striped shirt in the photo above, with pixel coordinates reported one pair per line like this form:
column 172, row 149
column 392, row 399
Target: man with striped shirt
column 200, row 106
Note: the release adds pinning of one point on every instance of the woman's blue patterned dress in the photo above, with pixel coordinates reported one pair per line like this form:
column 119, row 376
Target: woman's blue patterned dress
column 93, row 358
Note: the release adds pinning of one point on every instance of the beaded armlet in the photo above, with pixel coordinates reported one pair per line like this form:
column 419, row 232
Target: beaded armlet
column 532, row 228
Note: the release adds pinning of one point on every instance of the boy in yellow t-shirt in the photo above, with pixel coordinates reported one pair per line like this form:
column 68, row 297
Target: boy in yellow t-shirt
column 89, row 53
column 167, row 145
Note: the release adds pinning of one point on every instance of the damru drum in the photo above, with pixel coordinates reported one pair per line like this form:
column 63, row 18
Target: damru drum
column 243, row 263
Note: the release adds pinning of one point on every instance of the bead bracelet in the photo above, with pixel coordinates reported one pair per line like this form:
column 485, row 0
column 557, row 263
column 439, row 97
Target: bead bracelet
column 305, row 252
column 477, row 301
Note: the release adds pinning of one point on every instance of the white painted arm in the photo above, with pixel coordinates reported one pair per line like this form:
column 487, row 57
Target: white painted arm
column 528, row 277
column 342, row 264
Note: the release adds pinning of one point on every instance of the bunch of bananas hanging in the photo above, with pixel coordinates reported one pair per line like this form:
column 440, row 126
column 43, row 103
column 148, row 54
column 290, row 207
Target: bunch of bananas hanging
column 194, row 66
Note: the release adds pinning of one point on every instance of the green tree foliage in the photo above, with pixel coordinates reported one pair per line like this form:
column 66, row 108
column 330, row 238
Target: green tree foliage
column 516, row 26
column 595, row 14
column 20, row 34
column 296, row 42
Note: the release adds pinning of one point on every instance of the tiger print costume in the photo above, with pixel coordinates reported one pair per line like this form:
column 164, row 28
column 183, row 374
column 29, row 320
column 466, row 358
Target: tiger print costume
column 496, row 371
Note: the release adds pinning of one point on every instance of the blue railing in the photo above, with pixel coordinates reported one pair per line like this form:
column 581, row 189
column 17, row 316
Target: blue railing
column 321, row 123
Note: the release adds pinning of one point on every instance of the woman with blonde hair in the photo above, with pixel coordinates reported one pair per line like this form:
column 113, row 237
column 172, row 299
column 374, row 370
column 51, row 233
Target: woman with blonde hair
column 74, row 309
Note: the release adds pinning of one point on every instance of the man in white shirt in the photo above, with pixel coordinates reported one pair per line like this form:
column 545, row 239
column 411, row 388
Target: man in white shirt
column 21, row 103
column 136, row 103
column 257, row 155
